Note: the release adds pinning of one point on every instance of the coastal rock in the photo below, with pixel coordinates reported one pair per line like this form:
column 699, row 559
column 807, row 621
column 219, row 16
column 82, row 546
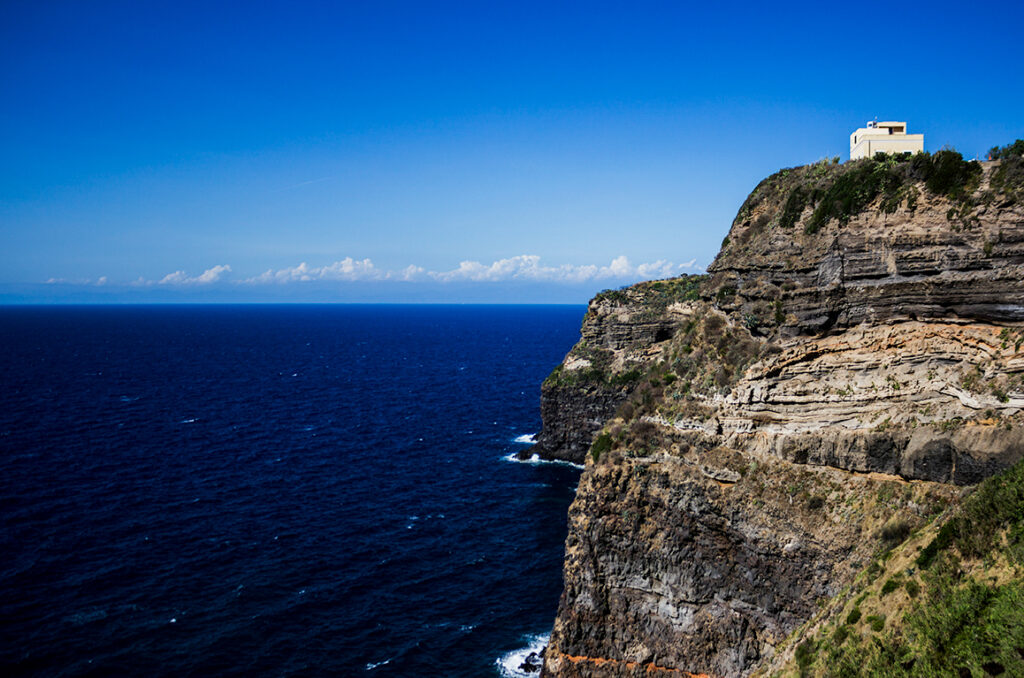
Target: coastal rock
column 572, row 415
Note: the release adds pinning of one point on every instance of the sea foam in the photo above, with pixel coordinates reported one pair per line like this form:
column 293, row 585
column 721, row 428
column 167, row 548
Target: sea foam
column 509, row 663
column 535, row 460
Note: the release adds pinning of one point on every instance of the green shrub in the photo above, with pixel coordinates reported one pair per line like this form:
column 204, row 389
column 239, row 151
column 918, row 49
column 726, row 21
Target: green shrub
column 873, row 570
column 805, row 653
column 912, row 195
column 890, row 585
column 617, row 297
column 841, row 634
column 630, row 376
column 950, row 174
column 913, row 588
column 849, row 194
column 956, row 625
column 895, row 531
column 840, row 192
column 1008, row 178
column 794, row 207
column 602, row 444
column 1010, row 151
column 941, row 542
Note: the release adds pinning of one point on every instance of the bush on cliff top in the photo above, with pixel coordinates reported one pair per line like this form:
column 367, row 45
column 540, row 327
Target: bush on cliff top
column 841, row 192
column 655, row 294
column 1008, row 179
column 891, row 176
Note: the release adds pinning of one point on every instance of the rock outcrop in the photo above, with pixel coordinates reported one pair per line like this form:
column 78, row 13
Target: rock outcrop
column 752, row 437
column 930, row 257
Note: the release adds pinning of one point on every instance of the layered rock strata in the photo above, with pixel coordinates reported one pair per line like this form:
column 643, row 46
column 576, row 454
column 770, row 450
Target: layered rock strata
column 753, row 437
column 927, row 259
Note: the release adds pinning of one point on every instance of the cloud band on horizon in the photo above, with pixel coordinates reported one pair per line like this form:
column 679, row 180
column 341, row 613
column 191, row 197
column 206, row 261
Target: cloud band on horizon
column 525, row 268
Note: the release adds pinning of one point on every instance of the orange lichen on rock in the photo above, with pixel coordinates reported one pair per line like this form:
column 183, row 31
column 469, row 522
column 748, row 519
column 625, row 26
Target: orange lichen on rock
column 650, row 667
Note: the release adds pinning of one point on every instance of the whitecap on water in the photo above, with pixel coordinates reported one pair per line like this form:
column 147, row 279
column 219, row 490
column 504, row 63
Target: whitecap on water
column 371, row 666
column 535, row 459
column 509, row 663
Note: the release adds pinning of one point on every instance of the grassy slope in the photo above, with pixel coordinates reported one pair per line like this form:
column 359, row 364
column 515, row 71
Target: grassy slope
column 947, row 601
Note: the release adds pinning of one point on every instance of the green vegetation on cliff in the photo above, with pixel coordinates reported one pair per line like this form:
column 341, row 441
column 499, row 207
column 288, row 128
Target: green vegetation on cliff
column 1008, row 179
column 952, row 601
column 645, row 302
column 656, row 294
column 839, row 192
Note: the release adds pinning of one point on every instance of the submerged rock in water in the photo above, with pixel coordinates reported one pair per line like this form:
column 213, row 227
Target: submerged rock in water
column 532, row 663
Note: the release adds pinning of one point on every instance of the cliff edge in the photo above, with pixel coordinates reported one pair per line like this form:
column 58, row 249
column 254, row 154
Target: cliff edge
column 851, row 365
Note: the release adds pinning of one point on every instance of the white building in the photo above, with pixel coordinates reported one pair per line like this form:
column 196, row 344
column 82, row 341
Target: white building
column 884, row 137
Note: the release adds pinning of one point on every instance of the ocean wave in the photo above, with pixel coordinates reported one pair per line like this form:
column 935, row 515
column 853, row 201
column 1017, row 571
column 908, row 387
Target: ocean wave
column 535, row 459
column 509, row 663
column 371, row 666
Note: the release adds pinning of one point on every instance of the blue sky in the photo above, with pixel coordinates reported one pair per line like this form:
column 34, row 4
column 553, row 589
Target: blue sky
column 389, row 151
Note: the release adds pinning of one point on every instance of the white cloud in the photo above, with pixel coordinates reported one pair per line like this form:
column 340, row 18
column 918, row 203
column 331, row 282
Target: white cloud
column 524, row 267
column 410, row 272
column 346, row 269
column 210, row 275
column 528, row 267
column 176, row 278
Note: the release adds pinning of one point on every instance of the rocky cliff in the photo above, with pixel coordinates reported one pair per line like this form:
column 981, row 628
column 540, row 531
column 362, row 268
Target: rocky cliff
column 753, row 438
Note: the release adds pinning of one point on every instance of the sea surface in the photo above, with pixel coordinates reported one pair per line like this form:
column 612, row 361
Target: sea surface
column 277, row 490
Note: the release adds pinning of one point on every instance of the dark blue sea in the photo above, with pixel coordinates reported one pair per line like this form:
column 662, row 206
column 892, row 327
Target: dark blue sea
column 276, row 490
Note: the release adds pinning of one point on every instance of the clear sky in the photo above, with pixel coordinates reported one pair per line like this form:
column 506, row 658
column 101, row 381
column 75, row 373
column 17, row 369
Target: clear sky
column 413, row 151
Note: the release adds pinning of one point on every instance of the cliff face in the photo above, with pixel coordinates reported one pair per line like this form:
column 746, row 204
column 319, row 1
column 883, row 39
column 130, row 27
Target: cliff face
column 911, row 254
column 620, row 334
column 753, row 437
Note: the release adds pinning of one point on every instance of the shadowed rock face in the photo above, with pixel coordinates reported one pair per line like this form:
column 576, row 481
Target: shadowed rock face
column 764, row 429
column 572, row 416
